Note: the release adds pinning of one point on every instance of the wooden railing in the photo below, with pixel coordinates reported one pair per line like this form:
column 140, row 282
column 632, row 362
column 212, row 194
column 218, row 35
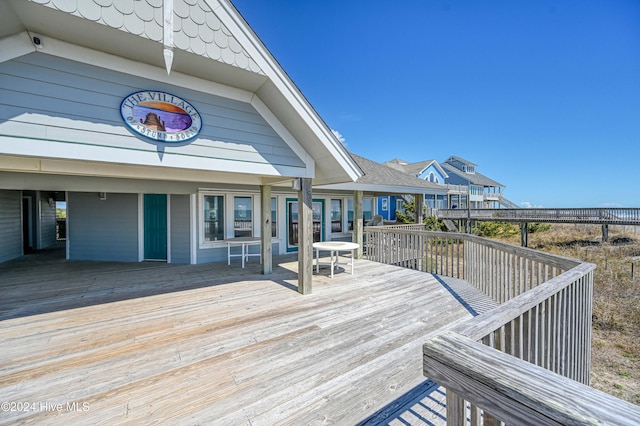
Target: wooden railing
column 527, row 361
column 610, row 216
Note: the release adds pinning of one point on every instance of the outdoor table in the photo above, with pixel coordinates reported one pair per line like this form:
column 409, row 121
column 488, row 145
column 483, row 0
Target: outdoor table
column 334, row 248
column 244, row 243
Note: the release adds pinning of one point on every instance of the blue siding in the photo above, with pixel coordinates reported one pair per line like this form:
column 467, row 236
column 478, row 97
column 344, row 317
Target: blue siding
column 10, row 225
column 455, row 179
column 71, row 105
column 179, row 229
column 432, row 174
column 103, row 229
column 384, row 207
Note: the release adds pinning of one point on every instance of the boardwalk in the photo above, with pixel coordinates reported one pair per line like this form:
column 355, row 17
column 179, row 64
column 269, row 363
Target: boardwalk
column 596, row 216
column 106, row 343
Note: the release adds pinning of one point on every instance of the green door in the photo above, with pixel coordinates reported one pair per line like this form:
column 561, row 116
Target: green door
column 155, row 226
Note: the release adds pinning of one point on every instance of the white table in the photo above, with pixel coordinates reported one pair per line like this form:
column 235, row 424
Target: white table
column 334, row 248
column 244, row 243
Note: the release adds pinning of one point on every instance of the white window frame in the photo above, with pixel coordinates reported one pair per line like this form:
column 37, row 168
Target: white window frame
column 232, row 231
column 202, row 242
column 330, row 215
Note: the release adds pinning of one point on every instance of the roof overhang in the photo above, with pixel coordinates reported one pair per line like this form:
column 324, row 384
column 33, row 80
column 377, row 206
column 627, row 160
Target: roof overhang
column 383, row 189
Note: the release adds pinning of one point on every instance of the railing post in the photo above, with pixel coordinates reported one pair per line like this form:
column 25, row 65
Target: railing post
column 455, row 410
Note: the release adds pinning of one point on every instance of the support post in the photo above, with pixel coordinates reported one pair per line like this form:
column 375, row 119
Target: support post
column 265, row 229
column 305, row 236
column 358, row 222
column 419, row 207
column 605, row 233
column 524, row 234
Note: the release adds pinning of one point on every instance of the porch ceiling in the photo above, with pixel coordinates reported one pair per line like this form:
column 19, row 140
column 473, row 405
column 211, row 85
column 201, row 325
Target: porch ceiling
column 211, row 343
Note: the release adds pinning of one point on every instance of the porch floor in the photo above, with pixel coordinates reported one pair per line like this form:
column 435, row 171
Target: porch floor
column 139, row 343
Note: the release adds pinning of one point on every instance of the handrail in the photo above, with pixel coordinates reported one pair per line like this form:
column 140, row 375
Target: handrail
column 610, row 216
column 542, row 326
column 516, row 392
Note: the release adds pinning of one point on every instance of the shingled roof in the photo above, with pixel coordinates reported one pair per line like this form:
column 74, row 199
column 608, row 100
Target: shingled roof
column 381, row 179
column 413, row 169
column 475, row 178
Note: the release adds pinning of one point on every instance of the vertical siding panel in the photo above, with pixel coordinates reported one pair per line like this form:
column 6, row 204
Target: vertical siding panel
column 103, row 229
column 10, row 225
column 179, row 229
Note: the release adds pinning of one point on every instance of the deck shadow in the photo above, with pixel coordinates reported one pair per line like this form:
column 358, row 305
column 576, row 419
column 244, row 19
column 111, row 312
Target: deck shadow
column 44, row 281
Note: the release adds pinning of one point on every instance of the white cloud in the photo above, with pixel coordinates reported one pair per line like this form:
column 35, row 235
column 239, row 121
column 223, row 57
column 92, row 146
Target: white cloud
column 528, row 205
column 341, row 138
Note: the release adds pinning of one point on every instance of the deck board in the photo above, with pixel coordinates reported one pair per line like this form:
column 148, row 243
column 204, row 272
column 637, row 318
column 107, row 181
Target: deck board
column 213, row 344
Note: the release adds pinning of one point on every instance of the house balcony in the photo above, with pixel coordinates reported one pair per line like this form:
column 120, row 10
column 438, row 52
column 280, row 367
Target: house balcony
column 492, row 196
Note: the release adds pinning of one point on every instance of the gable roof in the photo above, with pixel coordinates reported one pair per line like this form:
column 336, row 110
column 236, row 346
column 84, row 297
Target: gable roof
column 415, row 169
column 381, row 179
column 208, row 40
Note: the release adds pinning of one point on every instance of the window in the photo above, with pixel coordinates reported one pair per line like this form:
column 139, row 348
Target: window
column 242, row 217
column 385, row 204
column 213, row 217
column 367, row 211
column 274, row 217
column 336, row 216
column 399, row 205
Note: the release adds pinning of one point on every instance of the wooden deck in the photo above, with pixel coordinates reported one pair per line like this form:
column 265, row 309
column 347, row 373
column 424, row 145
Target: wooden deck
column 133, row 343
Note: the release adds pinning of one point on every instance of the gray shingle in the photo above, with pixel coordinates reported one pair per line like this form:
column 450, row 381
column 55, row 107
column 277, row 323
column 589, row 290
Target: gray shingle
column 380, row 174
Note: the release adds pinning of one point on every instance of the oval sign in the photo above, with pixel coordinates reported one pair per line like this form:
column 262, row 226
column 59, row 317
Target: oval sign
column 161, row 116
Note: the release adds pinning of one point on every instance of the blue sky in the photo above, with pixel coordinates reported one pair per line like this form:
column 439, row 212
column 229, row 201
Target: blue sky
column 544, row 96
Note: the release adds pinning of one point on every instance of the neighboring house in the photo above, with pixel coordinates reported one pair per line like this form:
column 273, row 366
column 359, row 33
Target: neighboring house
column 385, row 185
column 162, row 130
column 429, row 171
column 460, row 179
column 484, row 192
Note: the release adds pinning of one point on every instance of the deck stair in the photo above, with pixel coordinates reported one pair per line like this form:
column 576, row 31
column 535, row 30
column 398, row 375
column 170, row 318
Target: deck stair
column 508, row 203
column 450, row 225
